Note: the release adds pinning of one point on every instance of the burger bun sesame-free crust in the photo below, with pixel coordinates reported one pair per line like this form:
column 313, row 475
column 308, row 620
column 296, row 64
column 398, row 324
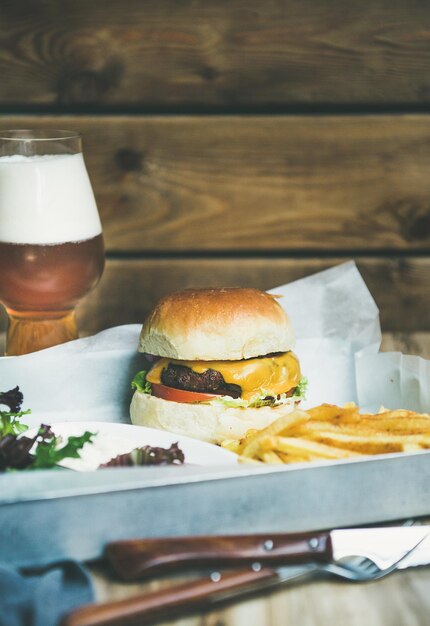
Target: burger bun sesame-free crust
column 217, row 324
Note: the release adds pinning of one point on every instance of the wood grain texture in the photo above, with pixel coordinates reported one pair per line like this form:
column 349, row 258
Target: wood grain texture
column 135, row 559
column 219, row 53
column 408, row 343
column 180, row 599
column 222, row 184
column 399, row 600
column 130, row 288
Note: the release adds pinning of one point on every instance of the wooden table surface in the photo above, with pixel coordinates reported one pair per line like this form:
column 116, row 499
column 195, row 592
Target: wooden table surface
column 402, row 599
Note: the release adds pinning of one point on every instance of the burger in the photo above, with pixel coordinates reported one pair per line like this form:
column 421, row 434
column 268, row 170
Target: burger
column 222, row 364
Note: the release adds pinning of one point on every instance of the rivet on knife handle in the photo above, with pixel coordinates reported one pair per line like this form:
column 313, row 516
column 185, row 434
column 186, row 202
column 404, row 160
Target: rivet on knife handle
column 138, row 558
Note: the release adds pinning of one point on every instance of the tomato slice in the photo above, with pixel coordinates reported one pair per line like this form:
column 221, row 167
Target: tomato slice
column 180, row 395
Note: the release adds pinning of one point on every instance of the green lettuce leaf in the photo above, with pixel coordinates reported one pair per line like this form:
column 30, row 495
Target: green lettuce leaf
column 48, row 454
column 140, row 383
column 229, row 402
column 301, row 388
column 263, row 400
column 10, row 424
column 254, row 403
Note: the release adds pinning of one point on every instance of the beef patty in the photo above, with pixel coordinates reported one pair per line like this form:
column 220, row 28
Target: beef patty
column 211, row 381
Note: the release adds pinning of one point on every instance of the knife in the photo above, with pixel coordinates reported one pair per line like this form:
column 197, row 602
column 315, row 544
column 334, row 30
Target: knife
column 202, row 594
column 135, row 559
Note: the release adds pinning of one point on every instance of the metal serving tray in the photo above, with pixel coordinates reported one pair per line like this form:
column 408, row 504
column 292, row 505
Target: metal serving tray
column 51, row 515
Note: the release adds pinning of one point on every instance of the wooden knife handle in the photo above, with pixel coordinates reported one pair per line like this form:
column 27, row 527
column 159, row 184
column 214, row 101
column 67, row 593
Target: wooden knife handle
column 138, row 558
column 173, row 601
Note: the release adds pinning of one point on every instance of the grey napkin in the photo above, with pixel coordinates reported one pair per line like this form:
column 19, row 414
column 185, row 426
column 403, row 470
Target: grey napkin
column 41, row 598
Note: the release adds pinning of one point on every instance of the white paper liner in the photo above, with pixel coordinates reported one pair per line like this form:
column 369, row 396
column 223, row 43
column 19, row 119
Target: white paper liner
column 334, row 316
column 393, row 380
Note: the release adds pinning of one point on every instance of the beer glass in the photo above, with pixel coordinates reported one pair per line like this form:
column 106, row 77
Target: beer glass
column 51, row 242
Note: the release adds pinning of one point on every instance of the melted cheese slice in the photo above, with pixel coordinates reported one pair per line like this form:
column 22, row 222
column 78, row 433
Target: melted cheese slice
column 270, row 375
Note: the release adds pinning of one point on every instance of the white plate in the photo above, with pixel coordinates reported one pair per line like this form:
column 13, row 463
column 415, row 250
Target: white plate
column 113, row 439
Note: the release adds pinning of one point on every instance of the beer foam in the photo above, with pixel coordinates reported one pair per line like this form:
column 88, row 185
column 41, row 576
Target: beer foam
column 46, row 200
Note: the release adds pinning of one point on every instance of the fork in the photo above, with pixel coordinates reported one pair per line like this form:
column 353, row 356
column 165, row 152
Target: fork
column 363, row 569
column 217, row 588
column 366, row 570
column 354, row 569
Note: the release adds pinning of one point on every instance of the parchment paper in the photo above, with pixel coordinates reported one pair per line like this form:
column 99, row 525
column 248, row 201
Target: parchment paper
column 338, row 338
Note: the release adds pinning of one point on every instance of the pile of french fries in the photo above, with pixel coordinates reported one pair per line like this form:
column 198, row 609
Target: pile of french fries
column 332, row 432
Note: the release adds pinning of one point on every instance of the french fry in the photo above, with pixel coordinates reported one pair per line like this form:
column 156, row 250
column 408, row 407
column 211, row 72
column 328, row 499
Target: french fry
column 368, row 427
column 376, row 437
column 248, row 461
column 292, row 458
column 250, row 445
column 312, row 449
column 329, row 432
column 407, row 426
column 333, row 413
column 375, row 443
column 271, row 457
column 231, row 444
column 411, row 447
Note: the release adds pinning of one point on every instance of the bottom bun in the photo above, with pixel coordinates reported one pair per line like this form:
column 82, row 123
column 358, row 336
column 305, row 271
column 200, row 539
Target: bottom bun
column 212, row 423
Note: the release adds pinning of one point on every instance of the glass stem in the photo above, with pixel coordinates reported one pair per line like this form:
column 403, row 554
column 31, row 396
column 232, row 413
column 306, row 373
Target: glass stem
column 29, row 334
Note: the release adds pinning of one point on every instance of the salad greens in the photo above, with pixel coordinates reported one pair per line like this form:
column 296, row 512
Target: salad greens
column 148, row 455
column 39, row 452
column 45, row 450
column 12, row 399
column 48, row 454
column 42, row 451
column 9, row 420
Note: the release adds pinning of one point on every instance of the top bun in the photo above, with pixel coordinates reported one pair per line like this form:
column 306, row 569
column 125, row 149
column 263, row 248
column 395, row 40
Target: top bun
column 216, row 324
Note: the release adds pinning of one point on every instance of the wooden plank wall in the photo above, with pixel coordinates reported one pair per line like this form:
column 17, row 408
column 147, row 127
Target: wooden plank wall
column 236, row 142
